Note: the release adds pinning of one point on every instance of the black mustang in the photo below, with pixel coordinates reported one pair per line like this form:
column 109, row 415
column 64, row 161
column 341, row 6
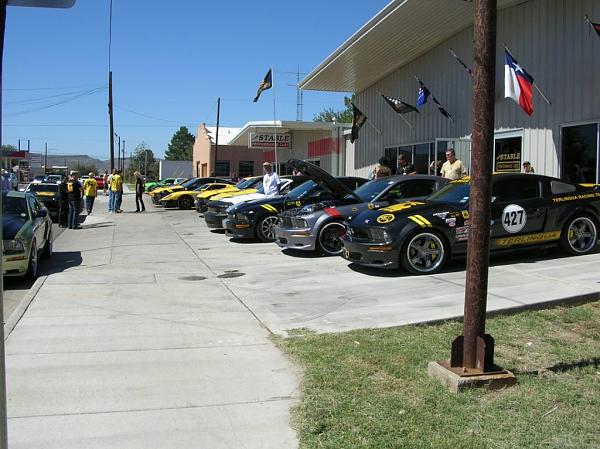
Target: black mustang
column 258, row 218
column 527, row 210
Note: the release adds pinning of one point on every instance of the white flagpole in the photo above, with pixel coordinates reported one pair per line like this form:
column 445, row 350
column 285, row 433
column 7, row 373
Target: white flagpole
column 401, row 115
column 274, row 117
column 534, row 83
column 373, row 126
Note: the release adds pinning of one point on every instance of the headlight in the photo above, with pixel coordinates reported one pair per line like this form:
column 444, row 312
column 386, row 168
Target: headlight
column 299, row 223
column 12, row 246
column 241, row 217
column 379, row 235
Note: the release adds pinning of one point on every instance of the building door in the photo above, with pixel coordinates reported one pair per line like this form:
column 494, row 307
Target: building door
column 580, row 153
column 204, row 170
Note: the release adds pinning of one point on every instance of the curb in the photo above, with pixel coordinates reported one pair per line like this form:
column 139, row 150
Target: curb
column 20, row 310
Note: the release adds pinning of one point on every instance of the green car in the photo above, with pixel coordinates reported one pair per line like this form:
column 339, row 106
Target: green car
column 26, row 233
column 151, row 185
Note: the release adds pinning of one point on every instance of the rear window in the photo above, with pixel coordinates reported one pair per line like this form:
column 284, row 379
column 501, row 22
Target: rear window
column 42, row 188
column 559, row 187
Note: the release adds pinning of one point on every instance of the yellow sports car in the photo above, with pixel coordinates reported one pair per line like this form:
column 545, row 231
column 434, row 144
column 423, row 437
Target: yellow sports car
column 248, row 185
column 184, row 199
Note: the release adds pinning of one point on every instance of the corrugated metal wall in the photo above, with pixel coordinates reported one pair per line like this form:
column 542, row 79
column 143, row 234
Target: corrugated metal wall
column 549, row 38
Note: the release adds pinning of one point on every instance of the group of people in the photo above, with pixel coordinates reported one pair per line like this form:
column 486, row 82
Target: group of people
column 71, row 193
column 453, row 168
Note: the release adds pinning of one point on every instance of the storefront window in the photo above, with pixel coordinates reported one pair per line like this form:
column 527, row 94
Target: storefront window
column 580, row 153
column 421, row 160
column 222, row 168
column 246, row 168
column 507, row 154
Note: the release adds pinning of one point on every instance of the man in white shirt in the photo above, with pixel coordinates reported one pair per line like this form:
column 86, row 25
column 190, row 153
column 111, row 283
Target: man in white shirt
column 453, row 168
column 270, row 180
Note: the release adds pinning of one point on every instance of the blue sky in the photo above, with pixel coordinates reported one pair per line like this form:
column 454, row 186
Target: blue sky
column 170, row 62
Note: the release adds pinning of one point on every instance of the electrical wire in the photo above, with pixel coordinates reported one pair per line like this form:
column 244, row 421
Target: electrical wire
column 68, row 100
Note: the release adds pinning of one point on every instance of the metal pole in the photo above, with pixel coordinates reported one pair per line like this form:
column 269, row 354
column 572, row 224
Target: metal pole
column 123, row 159
column 3, row 424
column 274, row 118
column 111, row 125
column 482, row 142
column 217, row 136
column 145, row 162
column 119, row 154
column 46, row 160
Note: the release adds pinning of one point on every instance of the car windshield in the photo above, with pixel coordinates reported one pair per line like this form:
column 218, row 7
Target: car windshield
column 455, row 192
column 42, row 188
column 245, row 184
column 39, row 178
column 261, row 189
column 302, row 190
column 371, row 190
column 14, row 206
column 201, row 187
column 189, row 183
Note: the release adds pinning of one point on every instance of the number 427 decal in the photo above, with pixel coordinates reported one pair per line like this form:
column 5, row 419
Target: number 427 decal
column 514, row 218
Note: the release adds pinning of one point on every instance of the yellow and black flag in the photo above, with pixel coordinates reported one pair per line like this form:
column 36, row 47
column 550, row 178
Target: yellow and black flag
column 358, row 120
column 267, row 83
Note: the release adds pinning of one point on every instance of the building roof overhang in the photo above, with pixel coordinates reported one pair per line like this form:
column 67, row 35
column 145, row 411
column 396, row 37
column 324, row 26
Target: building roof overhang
column 397, row 35
column 282, row 126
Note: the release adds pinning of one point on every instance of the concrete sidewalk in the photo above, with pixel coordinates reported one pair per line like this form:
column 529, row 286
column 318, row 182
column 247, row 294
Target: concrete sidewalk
column 133, row 342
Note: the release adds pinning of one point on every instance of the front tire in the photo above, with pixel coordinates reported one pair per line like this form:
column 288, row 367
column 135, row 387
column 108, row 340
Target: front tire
column 186, row 202
column 329, row 240
column 32, row 266
column 579, row 236
column 424, row 253
column 265, row 228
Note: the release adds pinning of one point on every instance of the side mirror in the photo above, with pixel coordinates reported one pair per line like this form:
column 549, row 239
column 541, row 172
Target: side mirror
column 494, row 198
column 41, row 213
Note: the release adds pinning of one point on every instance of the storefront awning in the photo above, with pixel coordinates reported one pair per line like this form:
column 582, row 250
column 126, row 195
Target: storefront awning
column 398, row 34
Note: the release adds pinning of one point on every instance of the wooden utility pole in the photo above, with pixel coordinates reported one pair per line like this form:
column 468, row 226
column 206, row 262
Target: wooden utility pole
column 119, row 154
column 474, row 350
column 110, row 119
column 217, row 136
column 123, row 158
column 46, row 160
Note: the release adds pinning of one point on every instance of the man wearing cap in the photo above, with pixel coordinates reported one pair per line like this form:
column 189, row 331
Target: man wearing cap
column 90, row 190
column 270, row 180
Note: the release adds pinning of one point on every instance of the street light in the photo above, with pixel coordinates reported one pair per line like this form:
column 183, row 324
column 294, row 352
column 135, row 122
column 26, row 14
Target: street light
column 3, row 5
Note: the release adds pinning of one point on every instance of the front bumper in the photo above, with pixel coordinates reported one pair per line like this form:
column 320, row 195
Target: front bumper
column 214, row 220
column 15, row 264
column 169, row 203
column 370, row 254
column 295, row 238
column 238, row 229
column 200, row 206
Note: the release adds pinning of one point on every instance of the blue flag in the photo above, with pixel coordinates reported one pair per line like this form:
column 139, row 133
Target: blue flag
column 423, row 94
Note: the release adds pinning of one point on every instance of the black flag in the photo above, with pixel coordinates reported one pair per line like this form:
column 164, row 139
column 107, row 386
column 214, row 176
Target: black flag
column 358, row 120
column 399, row 106
column 266, row 83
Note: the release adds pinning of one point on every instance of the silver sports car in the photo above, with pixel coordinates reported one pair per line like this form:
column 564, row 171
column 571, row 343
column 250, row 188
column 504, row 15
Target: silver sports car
column 319, row 227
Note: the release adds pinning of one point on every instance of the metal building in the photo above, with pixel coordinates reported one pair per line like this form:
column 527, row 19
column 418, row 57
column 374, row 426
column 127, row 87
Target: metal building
column 550, row 39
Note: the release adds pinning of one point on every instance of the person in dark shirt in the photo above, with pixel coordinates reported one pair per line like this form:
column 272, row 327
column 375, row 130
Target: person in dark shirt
column 74, row 190
column 139, row 192
column 63, row 203
column 404, row 167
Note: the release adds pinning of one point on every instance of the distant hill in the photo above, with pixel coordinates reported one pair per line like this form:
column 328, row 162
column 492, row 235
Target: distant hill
column 74, row 160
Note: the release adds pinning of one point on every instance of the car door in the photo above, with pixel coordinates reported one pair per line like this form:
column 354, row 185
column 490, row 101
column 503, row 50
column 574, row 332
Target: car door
column 39, row 223
column 517, row 206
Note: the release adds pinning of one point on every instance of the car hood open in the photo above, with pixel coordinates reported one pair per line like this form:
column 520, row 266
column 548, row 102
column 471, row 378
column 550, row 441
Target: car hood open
column 321, row 177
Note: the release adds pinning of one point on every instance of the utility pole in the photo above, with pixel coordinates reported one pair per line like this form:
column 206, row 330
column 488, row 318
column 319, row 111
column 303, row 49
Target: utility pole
column 217, row 136
column 123, row 158
column 46, row 160
column 119, row 154
column 110, row 119
column 145, row 162
column 474, row 350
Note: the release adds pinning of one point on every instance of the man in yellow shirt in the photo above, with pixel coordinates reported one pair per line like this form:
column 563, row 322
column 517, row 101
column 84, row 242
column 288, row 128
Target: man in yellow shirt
column 90, row 190
column 116, row 188
column 453, row 168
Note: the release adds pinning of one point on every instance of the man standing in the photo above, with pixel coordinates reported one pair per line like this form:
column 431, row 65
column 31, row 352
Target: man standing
column 105, row 182
column 90, row 190
column 139, row 192
column 111, row 196
column 404, row 168
column 63, row 203
column 453, row 168
column 527, row 168
column 270, row 180
column 116, row 192
column 74, row 191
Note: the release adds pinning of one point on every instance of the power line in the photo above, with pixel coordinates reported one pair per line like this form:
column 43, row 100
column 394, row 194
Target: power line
column 68, row 100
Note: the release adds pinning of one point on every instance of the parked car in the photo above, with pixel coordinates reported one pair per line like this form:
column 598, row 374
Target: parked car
column 246, row 185
column 56, row 179
column 527, row 210
column 184, row 199
column 40, row 178
column 157, row 194
column 27, row 234
column 46, row 193
column 258, row 218
column 320, row 227
column 100, row 182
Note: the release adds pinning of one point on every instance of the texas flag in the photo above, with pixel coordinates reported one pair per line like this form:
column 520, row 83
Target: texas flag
column 518, row 84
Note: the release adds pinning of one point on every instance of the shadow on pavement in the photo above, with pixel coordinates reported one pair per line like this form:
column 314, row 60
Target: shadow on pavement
column 60, row 261
column 303, row 254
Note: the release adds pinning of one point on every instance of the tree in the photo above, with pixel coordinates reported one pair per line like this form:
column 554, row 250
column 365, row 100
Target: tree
column 143, row 161
column 329, row 114
column 180, row 148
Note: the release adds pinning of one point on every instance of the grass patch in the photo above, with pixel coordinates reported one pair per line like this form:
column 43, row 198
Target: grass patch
column 370, row 389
